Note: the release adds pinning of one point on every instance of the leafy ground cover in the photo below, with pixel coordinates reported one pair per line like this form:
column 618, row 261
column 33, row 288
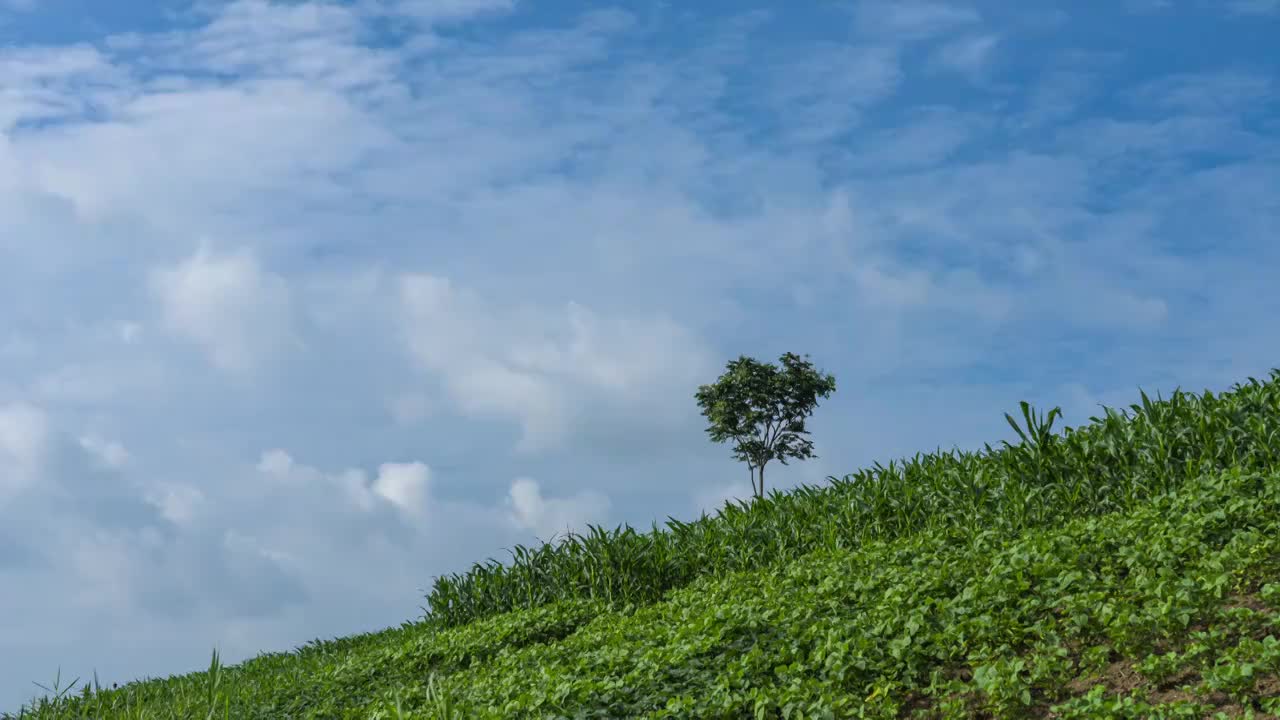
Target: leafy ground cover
column 1129, row 569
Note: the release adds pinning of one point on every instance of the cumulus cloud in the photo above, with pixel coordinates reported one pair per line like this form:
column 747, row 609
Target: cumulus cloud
column 226, row 304
column 24, row 435
column 534, row 365
column 548, row 517
column 276, row 463
column 405, row 485
column 108, row 453
column 177, row 503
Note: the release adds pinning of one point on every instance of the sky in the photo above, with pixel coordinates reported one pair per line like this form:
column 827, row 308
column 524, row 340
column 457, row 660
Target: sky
column 303, row 304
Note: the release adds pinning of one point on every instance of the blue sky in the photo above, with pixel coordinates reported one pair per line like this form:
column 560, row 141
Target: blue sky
column 303, row 304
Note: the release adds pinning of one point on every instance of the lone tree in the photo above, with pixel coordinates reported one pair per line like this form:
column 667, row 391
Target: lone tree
column 763, row 409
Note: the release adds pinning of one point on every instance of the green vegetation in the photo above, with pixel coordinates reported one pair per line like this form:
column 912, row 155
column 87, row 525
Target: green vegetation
column 1127, row 569
column 763, row 410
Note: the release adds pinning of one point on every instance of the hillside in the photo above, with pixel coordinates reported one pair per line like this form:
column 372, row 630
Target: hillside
column 1126, row 569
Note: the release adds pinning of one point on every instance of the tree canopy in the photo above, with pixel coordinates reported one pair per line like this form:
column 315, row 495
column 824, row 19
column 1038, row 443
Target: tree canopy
column 763, row 408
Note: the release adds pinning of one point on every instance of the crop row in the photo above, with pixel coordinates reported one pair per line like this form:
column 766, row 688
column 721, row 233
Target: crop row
column 1178, row 597
column 1117, row 460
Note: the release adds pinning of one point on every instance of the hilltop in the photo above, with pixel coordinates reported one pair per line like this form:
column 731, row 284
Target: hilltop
column 1129, row 568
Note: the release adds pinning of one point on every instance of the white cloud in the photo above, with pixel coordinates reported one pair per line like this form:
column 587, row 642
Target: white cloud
column 488, row 389
column 316, row 42
column 820, row 104
column 1254, row 7
column 404, row 484
column 276, row 462
column 43, row 83
column 968, row 55
column 226, row 304
column 108, row 453
column 437, row 12
column 1232, row 92
column 533, row 365
column 912, row 19
column 929, row 136
column 24, row 437
column 354, row 483
column 176, row 502
column 105, row 564
column 548, row 517
column 281, row 126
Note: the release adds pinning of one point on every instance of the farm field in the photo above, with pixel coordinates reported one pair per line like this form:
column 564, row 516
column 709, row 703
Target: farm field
column 1129, row 568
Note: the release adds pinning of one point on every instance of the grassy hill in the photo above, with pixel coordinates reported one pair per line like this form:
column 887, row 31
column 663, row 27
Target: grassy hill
column 1126, row 569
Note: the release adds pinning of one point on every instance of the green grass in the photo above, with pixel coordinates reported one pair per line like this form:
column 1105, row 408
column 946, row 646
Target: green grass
column 1126, row 569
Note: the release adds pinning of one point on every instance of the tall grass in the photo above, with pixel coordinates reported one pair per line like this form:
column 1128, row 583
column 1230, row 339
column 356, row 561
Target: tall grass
column 1116, row 461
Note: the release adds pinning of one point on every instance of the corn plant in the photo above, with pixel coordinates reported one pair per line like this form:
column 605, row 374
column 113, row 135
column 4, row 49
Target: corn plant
column 1120, row 459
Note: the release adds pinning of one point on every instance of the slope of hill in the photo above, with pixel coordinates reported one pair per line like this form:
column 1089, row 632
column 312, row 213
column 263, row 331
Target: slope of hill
column 1127, row 569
